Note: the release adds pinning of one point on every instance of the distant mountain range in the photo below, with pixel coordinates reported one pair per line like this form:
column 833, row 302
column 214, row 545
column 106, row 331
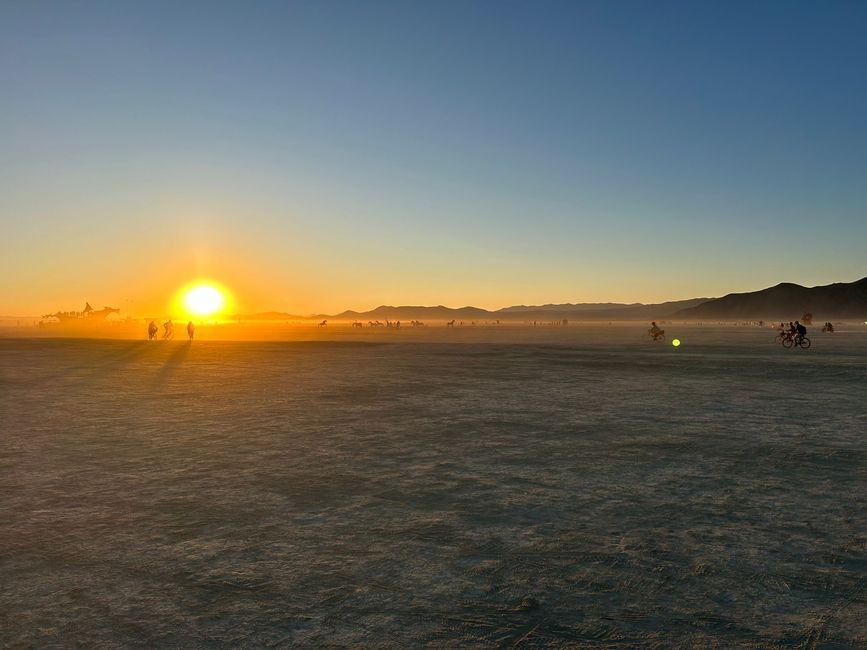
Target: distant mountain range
column 786, row 301
column 569, row 307
column 521, row 313
column 597, row 311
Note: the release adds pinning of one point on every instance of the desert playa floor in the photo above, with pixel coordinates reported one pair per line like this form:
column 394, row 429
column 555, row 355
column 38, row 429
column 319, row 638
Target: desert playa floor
column 578, row 486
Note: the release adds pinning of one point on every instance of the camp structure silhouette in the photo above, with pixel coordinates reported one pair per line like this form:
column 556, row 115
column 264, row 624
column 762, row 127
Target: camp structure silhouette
column 88, row 315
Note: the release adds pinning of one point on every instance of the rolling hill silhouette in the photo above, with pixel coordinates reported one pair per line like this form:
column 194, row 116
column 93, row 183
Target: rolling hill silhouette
column 786, row 301
column 522, row 313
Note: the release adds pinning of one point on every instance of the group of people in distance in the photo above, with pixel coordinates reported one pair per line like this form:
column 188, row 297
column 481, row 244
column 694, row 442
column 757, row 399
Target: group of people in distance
column 828, row 327
column 168, row 330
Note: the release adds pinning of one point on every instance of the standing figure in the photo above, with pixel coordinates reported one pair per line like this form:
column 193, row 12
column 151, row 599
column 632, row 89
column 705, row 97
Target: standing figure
column 152, row 331
column 191, row 330
column 168, row 330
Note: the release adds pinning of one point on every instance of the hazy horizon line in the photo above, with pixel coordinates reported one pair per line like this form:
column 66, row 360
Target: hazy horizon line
column 526, row 306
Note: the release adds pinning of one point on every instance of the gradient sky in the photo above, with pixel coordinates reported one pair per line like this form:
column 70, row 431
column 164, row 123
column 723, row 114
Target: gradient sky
column 317, row 156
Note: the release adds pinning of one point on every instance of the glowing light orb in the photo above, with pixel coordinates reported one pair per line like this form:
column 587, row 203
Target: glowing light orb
column 675, row 342
column 203, row 300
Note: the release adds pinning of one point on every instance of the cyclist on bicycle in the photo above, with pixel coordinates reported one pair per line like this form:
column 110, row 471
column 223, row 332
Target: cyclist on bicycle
column 801, row 330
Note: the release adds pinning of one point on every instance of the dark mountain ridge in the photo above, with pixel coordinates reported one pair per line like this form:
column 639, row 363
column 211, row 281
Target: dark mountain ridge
column 414, row 312
column 786, row 301
column 545, row 313
column 568, row 307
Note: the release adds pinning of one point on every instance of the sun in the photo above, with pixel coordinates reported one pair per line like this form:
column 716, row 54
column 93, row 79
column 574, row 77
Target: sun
column 203, row 300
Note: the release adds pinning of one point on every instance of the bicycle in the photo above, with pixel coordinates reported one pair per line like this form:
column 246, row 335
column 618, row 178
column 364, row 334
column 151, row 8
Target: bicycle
column 658, row 335
column 790, row 341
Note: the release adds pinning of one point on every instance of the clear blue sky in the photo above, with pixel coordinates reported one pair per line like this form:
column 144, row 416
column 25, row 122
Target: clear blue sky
column 317, row 156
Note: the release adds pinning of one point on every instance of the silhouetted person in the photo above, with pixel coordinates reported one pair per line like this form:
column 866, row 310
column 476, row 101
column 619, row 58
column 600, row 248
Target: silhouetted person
column 168, row 329
column 191, row 330
column 800, row 329
column 152, row 331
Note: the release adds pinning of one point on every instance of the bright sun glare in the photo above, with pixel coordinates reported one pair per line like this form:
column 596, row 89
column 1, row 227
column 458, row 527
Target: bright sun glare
column 203, row 300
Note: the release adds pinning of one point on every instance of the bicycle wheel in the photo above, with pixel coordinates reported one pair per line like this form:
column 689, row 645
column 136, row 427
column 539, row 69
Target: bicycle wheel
column 805, row 343
column 788, row 342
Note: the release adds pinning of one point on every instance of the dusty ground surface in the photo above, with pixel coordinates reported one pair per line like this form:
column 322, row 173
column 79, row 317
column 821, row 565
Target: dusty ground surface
column 575, row 486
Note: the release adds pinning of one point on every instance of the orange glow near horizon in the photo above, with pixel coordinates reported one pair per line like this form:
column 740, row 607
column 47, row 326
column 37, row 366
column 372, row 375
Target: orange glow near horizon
column 203, row 299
